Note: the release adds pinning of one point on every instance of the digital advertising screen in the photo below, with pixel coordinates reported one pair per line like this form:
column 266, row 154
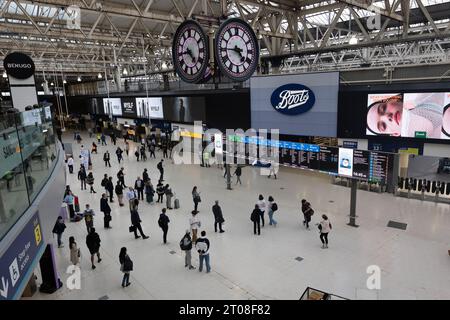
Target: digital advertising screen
column 409, row 115
column 150, row 108
column 129, row 108
column 184, row 109
column 299, row 104
column 112, row 106
column 345, row 162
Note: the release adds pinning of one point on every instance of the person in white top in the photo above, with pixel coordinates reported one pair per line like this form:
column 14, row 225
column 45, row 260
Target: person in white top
column 262, row 206
column 131, row 195
column 325, row 228
column 70, row 164
column 195, row 224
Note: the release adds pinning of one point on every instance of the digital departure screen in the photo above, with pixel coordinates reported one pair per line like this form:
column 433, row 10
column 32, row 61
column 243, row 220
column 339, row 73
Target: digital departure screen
column 328, row 159
column 380, row 166
column 361, row 161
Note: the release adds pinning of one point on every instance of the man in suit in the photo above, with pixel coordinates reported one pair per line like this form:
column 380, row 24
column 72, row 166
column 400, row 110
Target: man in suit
column 106, row 209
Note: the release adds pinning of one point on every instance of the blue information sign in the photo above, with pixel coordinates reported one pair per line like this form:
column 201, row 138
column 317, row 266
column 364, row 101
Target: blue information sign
column 20, row 258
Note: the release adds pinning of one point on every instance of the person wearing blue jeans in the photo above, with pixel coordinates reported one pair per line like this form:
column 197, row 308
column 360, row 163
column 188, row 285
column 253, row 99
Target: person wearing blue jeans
column 202, row 246
column 272, row 208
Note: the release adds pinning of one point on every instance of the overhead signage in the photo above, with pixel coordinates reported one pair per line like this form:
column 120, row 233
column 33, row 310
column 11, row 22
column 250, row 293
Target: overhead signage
column 19, row 259
column 18, row 65
column 293, row 99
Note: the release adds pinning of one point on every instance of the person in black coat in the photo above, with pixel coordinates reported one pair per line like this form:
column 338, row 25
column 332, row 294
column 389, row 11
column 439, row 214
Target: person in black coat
column 82, row 175
column 106, row 158
column 256, row 218
column 93, row 244
column 145, row 176
column 106, row 209
column 58, row 229
column 136, row 221
column 163, row 223
column 110, row 188
column 218, row 217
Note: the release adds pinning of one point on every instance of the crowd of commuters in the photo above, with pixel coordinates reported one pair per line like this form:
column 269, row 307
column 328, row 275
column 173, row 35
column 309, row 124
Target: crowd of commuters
column 194, row 237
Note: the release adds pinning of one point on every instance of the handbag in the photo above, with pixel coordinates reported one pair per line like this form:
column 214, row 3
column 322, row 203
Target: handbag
column 198, row 199
column 132, row 228
column 79, row 253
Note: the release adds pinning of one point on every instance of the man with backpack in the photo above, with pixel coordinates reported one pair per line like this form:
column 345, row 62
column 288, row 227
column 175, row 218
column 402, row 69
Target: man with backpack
column 273, row 207
column 186, row 246
column 307, row 213
column 163, row 223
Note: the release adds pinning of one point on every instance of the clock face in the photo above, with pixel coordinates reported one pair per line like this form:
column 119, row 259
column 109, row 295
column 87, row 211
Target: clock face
column 237, row 50
column 190, row 51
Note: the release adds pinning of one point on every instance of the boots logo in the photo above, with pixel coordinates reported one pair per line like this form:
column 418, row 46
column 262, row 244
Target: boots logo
column 293, row 99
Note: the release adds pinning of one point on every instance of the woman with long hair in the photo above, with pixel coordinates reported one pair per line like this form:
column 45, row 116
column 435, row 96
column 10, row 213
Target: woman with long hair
column 126, row 266
column 74, row 251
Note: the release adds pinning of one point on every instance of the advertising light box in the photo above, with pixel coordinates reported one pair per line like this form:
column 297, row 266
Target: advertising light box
column 112, row 106
column 149, row 108
column 302, row 104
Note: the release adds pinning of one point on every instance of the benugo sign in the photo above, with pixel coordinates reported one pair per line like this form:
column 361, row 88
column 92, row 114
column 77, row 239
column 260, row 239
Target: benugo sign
column 18, row 65
column 293, row 99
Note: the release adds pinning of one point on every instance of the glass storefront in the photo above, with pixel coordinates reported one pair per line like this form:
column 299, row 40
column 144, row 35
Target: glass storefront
column 28, row 154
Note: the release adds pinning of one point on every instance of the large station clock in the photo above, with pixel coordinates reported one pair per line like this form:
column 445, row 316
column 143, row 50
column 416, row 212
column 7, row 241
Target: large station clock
column 237, row 50
column 190, row 51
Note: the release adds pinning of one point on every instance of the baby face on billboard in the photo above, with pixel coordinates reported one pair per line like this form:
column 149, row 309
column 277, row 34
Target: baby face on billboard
column 385, row 117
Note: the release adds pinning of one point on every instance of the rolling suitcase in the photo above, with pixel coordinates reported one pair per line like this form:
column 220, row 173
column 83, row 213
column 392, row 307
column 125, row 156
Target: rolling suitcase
column 177, row 204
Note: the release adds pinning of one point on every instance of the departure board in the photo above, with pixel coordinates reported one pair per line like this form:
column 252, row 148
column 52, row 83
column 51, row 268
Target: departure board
column 328, row 159
column 380, row 166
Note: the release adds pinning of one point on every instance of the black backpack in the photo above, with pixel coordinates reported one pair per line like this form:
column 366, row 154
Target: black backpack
column 274, row 207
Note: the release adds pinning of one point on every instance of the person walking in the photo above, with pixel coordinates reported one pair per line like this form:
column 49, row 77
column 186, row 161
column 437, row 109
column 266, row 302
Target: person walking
column 136, row 221
column 272, row 171
column 121, row 177
column 99, row 138
column 145, row 176
column 325, row 228
column 143, row 154
column 119, row 153
column 119, row 192
column 104, row 181
column 70, row 163
column 110, row 189
column 307, row 213
column 103, row 137
column 163, row 223
column 94, row 148
column 152, row 150
column 272, row 208
column 149, row 191
column 90, row 182
column 106, row 209
column 195, row 224
column 165, row 154
column 196, row 198
column 169, row 195
column 238, row 173
column 202, row 246
column 93, row 244
column 262, row 207
column 131, row 196
column 106, row 158
column 69, row 199
column 58, row 229
column 186, row 246
column 88, row 215
column 126, row 266
column 113, row 138
column 139, row 187
column 74, row 251
column 160, row 191
column 161, row 170
column 82, row 177
column 136, row 153
column 218, row 217
column 127, row 148
column 256, row 218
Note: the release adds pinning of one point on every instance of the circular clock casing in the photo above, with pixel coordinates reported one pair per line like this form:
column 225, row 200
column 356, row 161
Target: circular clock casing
column 236, row 49
column 190, row 51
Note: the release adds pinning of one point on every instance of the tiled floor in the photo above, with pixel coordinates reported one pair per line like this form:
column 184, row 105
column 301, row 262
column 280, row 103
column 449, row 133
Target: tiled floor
column 414, row 262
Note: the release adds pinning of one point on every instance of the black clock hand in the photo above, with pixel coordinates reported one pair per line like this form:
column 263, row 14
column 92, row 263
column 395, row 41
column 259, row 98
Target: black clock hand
column 189, row 52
